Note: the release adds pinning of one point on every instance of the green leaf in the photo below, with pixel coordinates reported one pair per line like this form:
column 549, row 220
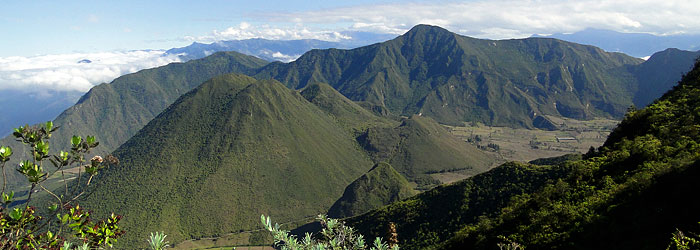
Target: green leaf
column 5, row 153
column 43, row 147
column 53, row 207
column 19, row 132
column 63, row 155
column 90, row 140
column 25, row 166
column 16, row 214
column 7, row 198
column 65, row 218
column 76, row 140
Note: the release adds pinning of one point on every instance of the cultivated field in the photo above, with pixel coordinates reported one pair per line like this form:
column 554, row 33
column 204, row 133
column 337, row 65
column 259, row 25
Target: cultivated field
column 526, row 145
column 225, row 242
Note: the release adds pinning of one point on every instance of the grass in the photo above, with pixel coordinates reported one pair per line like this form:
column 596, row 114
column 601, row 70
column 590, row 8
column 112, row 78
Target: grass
column 239, row 241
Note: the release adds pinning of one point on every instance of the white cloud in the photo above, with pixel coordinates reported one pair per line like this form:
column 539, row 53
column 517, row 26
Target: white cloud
column 284, row 58
column 65, row 72
column 247, row 31
column 507, row 18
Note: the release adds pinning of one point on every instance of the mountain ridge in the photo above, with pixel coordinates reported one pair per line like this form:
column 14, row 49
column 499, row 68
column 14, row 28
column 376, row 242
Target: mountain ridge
column 455, row 79
column 634, row 44
column 661, row 72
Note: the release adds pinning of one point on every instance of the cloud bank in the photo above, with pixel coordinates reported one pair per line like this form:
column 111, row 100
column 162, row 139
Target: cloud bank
column 508, row 18
column 247, row 31
column 74, row 72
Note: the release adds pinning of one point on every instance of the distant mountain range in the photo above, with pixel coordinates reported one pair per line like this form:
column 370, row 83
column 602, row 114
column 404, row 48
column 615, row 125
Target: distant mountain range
column 456, row 79
column 270, row 50
column 634, row 44
column 277, row 50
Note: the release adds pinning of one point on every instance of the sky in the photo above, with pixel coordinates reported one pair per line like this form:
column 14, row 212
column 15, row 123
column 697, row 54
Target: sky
column 42, row 41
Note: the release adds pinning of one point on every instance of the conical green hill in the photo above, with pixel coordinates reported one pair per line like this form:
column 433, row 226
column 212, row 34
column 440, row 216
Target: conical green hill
column 378, row 187
column 420, row 146
column 223, row 154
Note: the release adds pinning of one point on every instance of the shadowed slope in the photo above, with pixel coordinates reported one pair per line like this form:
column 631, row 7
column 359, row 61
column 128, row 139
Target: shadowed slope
column 661, row 72
column 380, row 186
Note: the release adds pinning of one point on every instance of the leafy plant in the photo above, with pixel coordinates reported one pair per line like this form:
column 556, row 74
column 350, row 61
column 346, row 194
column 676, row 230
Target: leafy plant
column 334, row 235
column 157, row 241
column 683, row 241
column 509, row 245
column 21, row 227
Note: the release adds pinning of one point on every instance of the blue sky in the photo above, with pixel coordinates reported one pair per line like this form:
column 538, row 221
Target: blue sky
column 42, row 41
column 32, row 28
column 48, row 27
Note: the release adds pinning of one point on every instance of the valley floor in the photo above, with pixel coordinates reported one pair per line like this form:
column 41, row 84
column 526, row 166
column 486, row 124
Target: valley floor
column 524, row 145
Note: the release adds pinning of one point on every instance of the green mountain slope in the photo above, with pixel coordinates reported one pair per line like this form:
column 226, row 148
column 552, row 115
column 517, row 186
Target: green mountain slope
column 345, row 111
column 378, row 187
column 453, row 78
column 116, row 111
column 432, row 217
column 224, row 153
column 419, row 147
column 661, row 72
column 630, row 194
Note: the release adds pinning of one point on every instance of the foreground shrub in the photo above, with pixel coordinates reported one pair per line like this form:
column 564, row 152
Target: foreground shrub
column 22, row 227
column 334, row 235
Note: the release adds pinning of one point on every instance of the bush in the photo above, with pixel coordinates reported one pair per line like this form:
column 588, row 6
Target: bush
column 21, row 227
column 334, row 235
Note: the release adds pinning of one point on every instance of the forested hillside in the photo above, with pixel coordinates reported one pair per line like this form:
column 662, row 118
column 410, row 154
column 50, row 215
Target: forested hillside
column 632, row 193
column 454, row 78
